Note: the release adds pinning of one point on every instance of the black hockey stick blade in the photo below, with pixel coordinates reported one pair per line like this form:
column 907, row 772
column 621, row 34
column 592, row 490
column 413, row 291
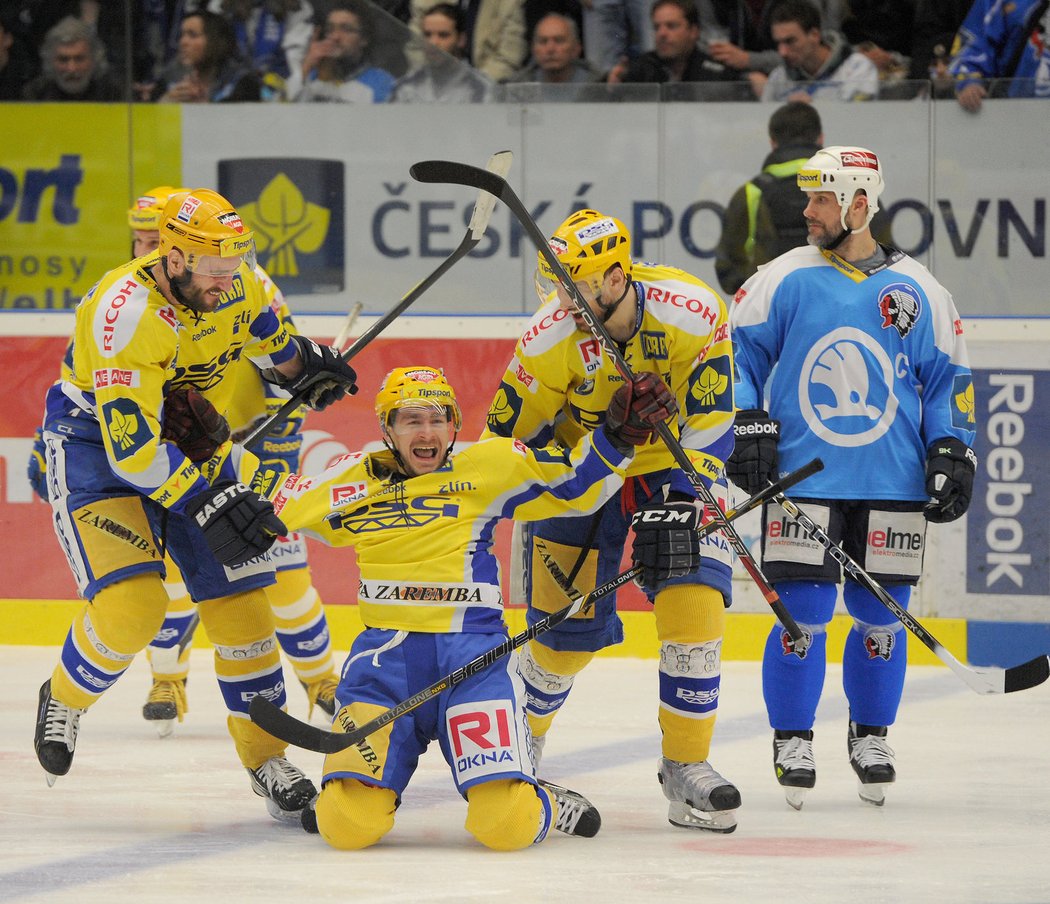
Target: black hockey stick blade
column 1028, row 674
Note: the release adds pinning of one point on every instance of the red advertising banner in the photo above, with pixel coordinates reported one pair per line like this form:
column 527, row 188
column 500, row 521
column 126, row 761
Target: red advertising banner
column 33, row 566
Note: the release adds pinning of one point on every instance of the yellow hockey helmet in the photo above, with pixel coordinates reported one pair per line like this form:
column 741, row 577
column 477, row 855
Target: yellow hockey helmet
column 588, row 243
column 148, row 209
column 416, row 387
column 844, row 171
column 202, row 223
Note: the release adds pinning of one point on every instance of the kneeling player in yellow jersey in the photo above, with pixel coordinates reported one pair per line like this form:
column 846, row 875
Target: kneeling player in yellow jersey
column 557, row 385
column 148, row 332
column 421, row 520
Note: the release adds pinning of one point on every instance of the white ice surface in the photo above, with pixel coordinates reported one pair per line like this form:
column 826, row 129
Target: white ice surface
column 143, row 819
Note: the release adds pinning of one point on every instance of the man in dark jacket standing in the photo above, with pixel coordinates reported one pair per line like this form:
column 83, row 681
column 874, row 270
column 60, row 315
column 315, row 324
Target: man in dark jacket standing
column 764, row 217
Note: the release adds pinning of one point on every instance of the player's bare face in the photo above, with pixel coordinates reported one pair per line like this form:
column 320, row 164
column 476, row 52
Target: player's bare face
column 421, row 437
column 590, row 291
column 145, row 241
column 208, row 283
column 823, row 226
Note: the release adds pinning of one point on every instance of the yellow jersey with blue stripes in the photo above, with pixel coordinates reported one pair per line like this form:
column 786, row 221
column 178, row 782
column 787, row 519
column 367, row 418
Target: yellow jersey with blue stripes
column 559, row 382
column 131, row 346
column 424, row 544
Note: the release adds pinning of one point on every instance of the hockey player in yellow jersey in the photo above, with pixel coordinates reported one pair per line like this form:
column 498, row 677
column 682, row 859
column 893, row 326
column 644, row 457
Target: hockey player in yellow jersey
column 174, row 320
column 557, row 385
column 421, row 521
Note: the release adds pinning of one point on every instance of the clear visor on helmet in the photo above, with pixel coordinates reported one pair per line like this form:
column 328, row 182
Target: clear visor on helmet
column 234, row 251
column 546, row 283
column 416, row 415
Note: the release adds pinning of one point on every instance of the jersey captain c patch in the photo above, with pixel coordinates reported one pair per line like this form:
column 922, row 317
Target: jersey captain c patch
column 126, row 426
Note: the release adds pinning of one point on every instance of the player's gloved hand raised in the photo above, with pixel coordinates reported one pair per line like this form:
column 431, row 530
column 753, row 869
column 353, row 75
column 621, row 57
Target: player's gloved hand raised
column 238, row 524
column 950, row 466
column 37, row 470
column 635, row 410
column 191, row 422
column 325, row 376
column 754, row 460
column 666, row 543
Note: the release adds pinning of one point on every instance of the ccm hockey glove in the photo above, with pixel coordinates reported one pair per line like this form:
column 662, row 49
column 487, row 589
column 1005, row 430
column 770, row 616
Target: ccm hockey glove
column 238, row 524
column 191, row 422
column 950, row 466
column 666, row 543
column 325, row 377
column 635, row 410
column 754, row 460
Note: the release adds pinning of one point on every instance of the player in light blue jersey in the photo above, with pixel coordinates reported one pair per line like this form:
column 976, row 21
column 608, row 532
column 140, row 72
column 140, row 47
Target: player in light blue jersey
column 859, row 352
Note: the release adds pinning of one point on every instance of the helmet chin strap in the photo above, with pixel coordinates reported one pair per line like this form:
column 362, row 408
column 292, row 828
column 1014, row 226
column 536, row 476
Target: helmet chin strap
column 609, row 310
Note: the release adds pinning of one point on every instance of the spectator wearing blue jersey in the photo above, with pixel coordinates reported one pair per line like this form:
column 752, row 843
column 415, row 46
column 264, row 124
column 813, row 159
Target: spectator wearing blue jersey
column 338, row 65
column 849, row 350
column 1002, row 41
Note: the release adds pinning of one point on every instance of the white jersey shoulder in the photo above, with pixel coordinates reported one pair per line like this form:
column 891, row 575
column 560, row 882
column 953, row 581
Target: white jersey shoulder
column 549, row 326
column 752, row 300
column 123, row 304
column 679, row 299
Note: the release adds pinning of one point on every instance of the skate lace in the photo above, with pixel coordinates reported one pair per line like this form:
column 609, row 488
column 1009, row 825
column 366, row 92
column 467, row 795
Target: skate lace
column 570, row 808
column 795, row 753
column 169, row 691
column 62, row 724
column 871, row 750
column 278, row 774
column 693, row 779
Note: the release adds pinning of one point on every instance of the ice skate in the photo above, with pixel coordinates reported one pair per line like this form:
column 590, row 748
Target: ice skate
column 700, row 798
column 166, row 703
column 321, row 693
column 872, row 759
column 308, row 818
column 576, row 815
column 286, row 788
column 56, row 734
column 794, row 764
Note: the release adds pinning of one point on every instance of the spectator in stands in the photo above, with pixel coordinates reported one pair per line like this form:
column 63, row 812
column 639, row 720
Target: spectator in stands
column 1002, row 41
column 615, row 31
column 74, row 66
column 882, row 31
column 272, row 37
column 815, row 64
column 16, row 66
column 557, row 54
column 338, row 65
column 444, row 76
column 933, row 33
column 765, row 216
column 207, row 67
column 496, row 44
column 675, row 56
column 737, row 33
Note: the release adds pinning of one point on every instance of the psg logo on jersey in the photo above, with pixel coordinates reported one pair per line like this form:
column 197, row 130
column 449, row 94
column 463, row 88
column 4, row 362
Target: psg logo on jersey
column 900, row 307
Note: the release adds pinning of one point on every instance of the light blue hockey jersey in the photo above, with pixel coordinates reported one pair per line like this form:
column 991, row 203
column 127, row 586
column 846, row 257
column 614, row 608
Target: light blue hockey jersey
column 864, row 370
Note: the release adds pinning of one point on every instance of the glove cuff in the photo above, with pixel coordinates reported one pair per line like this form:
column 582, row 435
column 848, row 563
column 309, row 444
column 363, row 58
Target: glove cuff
column 955, row 449
column 755, row 422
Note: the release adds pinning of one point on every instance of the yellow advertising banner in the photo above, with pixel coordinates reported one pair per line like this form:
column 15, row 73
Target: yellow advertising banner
column 68, row 174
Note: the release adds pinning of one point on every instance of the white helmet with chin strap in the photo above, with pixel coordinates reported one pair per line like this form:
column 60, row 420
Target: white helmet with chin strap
column 844, row 170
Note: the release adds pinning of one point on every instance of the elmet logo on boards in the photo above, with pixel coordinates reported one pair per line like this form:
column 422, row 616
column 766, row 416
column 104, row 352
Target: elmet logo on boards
column 296, row 208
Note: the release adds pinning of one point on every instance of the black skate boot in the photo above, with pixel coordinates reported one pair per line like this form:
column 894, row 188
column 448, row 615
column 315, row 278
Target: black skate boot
column 56, row 734
column 576, row 815
column 872, row 759
column 287, row 789
column 794, row 764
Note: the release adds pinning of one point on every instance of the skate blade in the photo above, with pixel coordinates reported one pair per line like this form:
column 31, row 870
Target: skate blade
column 51, row 779
column 683, row 816
column 165, row 727
column 795, row 797
column 874, row 794
column 291, row 817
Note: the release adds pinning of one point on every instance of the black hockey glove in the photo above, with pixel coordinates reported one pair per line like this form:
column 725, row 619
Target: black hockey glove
column 666, row 543
column 238, row 524
column 37, row 470
column 325, row 376
column 191, row 422
column 635, row 410
column 754, row 460
column 950, row 466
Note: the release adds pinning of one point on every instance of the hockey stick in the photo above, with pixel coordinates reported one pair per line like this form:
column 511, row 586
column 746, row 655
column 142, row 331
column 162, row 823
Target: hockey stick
column 270, row 717
column 464, row 174
column 760, row 498
column 498, row 166
column 351, row 319
column 984, row 680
